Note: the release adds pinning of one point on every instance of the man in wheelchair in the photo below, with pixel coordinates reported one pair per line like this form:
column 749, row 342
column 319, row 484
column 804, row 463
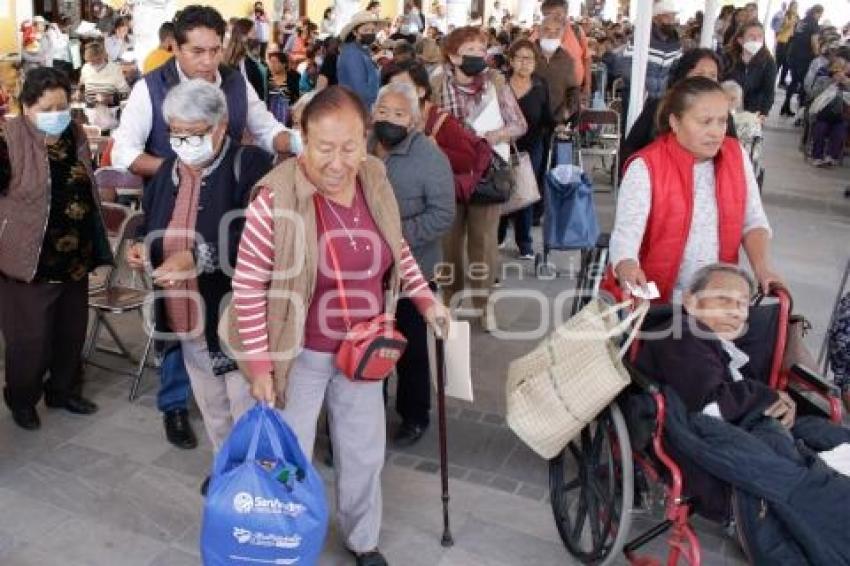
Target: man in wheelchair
column 743, row 451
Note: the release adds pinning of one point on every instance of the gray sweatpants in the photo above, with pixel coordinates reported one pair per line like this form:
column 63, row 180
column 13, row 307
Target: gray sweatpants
column 358, row 437
column 222, row 399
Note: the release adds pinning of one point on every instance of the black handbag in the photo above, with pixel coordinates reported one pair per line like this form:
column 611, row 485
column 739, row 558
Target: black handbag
column 497, row 184
column 833, row 112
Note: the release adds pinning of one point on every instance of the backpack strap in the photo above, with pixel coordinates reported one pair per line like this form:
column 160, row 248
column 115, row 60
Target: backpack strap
column 438, row 123
column 237, row 164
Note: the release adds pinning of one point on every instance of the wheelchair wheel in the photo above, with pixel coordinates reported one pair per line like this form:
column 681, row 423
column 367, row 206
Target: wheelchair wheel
column 591, row 486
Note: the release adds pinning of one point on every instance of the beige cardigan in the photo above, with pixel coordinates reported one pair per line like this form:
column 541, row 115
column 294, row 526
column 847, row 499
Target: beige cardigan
column 296, row 259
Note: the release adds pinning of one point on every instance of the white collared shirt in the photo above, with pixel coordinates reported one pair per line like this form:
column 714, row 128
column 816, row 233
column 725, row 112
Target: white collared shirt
column 131, row 136
column 737, row 360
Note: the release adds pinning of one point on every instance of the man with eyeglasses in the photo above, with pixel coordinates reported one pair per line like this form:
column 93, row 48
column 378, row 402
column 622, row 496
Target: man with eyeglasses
column 142, row 144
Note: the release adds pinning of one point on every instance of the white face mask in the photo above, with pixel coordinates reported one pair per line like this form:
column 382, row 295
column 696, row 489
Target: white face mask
column 194, row 156
column 753, row 47
column 549, row 45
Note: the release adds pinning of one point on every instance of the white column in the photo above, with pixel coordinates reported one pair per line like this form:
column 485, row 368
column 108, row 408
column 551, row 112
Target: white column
column 153, row 13
column 574, row 9
column 769, row 34
column 712, row 10
column 457, row 12
column 609, row 11
column 633, row 9
column 642, row 26
column 525, row 11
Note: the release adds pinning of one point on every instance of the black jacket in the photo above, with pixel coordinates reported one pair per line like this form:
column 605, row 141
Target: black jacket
column 757, row 80
column 257, row 78
column 224, row 190
column 697, row 368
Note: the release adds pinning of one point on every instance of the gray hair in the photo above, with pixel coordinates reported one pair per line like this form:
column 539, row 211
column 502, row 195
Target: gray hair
column 406, row 90
column 704, row 274
column 732, row 87
column 195, row 100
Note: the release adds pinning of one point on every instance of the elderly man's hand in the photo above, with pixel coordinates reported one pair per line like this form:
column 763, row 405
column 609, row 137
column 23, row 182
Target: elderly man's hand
column 783, row 409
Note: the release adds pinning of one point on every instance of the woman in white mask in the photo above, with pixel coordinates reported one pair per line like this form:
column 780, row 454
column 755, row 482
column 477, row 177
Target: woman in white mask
column 51, row 236
column 192, row 228
column 749, row 63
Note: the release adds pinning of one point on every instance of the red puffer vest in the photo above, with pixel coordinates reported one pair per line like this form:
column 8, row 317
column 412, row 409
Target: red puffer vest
column 671, row 174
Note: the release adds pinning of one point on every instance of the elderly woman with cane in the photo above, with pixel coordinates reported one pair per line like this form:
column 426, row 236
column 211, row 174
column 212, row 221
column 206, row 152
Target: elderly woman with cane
column 320, row 268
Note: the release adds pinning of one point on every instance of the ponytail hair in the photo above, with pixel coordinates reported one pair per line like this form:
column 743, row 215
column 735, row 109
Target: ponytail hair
column 680, row 97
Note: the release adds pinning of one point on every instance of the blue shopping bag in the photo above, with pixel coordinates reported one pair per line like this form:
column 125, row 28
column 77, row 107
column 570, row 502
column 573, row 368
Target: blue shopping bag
column 571, row 221
column 266, row 502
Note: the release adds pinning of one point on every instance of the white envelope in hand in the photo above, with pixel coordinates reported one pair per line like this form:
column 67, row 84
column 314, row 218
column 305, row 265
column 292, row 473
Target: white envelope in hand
column 488, row 120
column 458, row 369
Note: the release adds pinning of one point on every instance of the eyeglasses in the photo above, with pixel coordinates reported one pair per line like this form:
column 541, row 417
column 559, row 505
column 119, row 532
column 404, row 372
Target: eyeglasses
column 192, row 140
column 523, row 59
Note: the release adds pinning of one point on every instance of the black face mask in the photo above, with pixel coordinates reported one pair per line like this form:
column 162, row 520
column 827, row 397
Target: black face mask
column 389, row 134
column 472, row 65
column 367, row 38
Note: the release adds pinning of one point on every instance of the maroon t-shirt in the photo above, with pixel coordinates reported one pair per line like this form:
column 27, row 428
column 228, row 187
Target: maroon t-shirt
column 364, row 259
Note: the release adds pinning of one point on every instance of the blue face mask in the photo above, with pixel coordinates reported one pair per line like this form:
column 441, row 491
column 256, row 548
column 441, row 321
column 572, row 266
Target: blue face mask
column 53, row 123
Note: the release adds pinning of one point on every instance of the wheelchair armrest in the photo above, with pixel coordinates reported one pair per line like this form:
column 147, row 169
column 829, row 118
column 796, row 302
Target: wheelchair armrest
column 640, row 379
column 812, row 380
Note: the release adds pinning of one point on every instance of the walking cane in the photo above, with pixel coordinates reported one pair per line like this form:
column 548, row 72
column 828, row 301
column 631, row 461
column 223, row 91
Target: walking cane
column 447, row 539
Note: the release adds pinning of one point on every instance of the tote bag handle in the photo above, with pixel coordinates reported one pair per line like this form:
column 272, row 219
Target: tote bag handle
column 630, row 324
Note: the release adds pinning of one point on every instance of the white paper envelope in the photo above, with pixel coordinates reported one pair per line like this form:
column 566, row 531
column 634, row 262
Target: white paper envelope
column 488, row 120
column 458, row 369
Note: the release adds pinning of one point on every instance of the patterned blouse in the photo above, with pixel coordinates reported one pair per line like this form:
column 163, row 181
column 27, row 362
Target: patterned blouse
column 67, row 253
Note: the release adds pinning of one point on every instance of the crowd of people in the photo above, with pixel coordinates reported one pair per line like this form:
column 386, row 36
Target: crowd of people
column 369, row 137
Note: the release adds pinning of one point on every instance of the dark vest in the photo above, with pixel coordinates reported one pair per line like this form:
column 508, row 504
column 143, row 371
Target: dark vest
column 161, row 80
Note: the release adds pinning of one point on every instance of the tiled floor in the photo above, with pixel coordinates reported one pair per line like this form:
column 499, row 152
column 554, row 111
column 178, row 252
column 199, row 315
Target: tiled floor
column 108, row 490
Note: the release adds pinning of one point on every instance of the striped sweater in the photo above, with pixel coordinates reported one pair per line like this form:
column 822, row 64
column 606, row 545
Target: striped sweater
column 253, row 276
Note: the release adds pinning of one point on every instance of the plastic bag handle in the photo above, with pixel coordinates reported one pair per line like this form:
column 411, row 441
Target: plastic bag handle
column 300, row 459
column 263, row 424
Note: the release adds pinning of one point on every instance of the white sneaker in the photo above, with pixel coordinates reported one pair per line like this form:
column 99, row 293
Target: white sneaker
column 503, row 244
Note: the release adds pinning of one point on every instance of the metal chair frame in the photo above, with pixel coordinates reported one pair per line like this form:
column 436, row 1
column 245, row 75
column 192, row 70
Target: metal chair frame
column 608, row 140
column 104, row 300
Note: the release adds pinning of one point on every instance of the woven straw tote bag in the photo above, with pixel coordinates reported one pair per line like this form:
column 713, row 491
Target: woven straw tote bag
column 555, row 390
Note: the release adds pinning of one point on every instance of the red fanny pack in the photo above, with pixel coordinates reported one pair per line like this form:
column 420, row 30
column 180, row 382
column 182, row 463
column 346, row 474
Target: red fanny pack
column 370, row 349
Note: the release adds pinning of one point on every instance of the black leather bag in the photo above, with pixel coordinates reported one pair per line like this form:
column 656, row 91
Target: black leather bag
column 497, row 184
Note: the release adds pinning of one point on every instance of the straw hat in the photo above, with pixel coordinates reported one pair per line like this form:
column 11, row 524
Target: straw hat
column 664, row 7
column 360, row 18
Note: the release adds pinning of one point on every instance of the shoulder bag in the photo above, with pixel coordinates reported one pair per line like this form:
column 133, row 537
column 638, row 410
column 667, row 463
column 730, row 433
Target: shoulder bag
column 370, row 349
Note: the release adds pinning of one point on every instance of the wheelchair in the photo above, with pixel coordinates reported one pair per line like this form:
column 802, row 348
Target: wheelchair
column 620, row 458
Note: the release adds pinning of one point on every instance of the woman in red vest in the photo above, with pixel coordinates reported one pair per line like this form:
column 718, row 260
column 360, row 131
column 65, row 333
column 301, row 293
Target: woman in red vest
column 688, row 199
